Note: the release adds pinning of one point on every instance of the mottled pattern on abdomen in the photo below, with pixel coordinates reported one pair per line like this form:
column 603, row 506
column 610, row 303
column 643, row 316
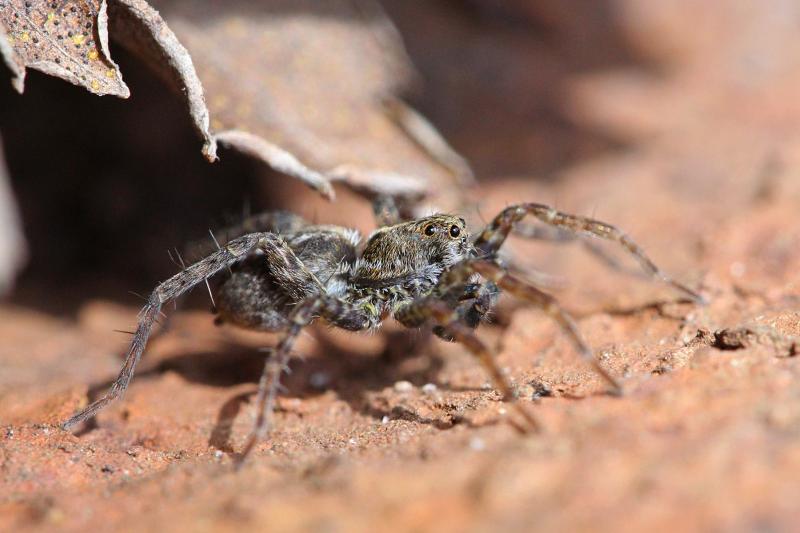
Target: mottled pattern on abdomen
column 249, row 298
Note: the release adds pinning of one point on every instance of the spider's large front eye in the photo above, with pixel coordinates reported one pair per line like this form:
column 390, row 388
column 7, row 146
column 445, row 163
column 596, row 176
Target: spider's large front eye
column 429, row 230
column 455, row 231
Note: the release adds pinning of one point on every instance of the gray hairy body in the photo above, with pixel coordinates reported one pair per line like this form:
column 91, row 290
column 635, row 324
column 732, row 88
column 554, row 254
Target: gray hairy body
column 395, row 265
column 277, row 272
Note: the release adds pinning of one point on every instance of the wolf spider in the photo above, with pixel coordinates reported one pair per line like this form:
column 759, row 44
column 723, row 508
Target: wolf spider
column 284, row 273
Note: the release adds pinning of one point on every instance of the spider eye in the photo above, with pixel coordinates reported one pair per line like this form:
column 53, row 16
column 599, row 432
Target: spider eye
column 455, row 231
column 429, row 230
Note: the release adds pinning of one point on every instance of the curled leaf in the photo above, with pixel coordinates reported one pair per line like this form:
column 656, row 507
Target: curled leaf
column 276, row 157
column 425, row 134
column 373, row 183
column 66, row 39
column 299, row 84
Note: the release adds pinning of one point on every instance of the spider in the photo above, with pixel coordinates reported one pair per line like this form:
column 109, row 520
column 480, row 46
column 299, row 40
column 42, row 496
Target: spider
column 281, row 273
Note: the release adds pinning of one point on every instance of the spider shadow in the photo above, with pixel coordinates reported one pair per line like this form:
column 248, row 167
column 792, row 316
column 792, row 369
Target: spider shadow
column 232, row 366
column 352, row 376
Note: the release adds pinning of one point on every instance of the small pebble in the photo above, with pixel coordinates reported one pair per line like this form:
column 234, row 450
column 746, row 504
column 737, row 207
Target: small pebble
column 385, row 419
column 403, row 386
column 738, row 269
column 319, row 380
column 429, row 388
column 218, row 454
column 477, row 444
column 353, row 442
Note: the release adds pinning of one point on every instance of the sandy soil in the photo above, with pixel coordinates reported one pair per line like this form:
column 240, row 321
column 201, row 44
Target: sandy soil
column 705, row 436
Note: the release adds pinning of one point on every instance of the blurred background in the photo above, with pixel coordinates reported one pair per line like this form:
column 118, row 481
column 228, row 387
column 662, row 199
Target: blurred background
column 675, row 120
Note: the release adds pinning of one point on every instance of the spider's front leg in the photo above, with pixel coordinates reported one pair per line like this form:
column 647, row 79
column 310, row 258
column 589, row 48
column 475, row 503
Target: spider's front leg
column 441, row 308
column 528, row 292
column 453, row 327
column 277, row 253
column 472, row 306
column 492, row 238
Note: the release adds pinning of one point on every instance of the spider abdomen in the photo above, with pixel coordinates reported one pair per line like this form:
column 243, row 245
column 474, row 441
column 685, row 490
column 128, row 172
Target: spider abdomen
column 249, row 298
column 260, row 291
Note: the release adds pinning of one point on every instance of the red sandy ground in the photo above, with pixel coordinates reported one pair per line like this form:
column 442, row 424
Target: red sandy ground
column 704, row 436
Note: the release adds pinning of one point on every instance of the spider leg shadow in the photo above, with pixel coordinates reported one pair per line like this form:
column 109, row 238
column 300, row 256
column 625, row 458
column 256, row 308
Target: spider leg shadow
column 364, row 374
column 221, row 434
column 351, row 376
column 232, row 365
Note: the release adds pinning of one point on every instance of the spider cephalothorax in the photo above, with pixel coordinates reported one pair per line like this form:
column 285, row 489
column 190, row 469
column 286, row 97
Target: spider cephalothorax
column 413, row 254
column 405, row 261
column 280, row 273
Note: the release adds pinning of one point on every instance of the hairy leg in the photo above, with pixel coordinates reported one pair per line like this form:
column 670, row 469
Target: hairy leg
column 282, row 222
column 391, row 210
column 453, row 326
column 336, row 312
column 525, row 291
column 472, row 306
column 479, row 299
column 554, row 234
column 386, row 211
column 417, row 313
column 492, row 238
column 273, row 247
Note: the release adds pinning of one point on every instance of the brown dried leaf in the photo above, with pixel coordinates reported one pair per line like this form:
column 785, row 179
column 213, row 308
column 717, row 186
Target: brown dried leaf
column 12, row 61
column 278, row 158
column 295, row 78
column 67, row 39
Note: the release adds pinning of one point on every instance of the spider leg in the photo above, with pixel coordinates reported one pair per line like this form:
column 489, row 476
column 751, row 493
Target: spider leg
column 452, row 324
column 528, row 292
column 492, row 238
column 390, row 210
column 276, row 252
column 480, row 298
column 281, row 222
column 335, row 311
column 544, row 233
column 471, row 301
column 386, row 211
column 442, row 313
column 554, row 234
column 473, row 305
column 415, row 314
column 274, row 366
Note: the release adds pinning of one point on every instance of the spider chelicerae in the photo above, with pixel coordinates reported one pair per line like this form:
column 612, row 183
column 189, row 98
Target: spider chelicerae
column 280, row 273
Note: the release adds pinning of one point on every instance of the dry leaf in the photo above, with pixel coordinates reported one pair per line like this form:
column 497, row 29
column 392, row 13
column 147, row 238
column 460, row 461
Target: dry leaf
column 66, row 39
column 300, row 84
